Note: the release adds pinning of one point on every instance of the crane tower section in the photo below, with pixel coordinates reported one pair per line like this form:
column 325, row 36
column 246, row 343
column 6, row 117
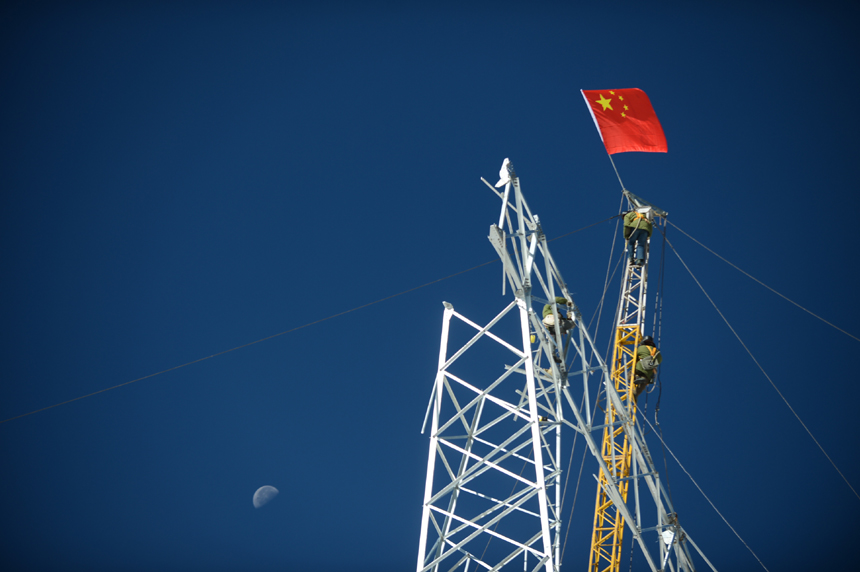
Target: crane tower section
column 616, row 447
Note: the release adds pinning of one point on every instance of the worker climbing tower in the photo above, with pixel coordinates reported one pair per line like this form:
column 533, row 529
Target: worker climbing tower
column 504, row 388
column 616, row 449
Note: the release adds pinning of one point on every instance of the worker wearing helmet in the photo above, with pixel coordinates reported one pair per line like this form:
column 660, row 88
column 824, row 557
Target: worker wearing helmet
column 647, row 359
column 637, row 230
column 566, row 322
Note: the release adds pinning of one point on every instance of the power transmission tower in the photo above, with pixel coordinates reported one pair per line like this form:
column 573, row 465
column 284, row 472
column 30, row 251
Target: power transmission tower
column 492, row 497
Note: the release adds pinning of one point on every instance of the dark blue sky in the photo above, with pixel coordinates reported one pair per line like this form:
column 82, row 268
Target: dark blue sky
column 179, row 179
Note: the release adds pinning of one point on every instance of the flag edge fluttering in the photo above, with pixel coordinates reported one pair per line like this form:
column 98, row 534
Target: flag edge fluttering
column 632, row 143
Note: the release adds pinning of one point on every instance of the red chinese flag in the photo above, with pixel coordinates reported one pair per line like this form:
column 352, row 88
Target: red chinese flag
column 625, row 120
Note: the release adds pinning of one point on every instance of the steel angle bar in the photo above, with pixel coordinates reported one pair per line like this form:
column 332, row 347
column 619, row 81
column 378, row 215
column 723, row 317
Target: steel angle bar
column 456, row 479
column 481, row 332
column 572, row 426
column 503, row 450
column 498, row 238
column 429, row 405
column 514, row 501
column 488, row 463
column 530, row 259
column 584, row 332
column 548, row 286
column 494, row 189
column 548, row 255
column 455, row 403
column 518, row 551
column 474, row 471
column 550, row 412
column 658, row 491
column 682, row 555
column 520, row 268
column 659, row 527
column 511, row 408
column 528, row 493
column 438, row 530
column 466, row 556
column 693, row 544
column 522, row 201
column 444, row 460
column 484, row 528
column 505, row 203
column 498, row 241
column 586, row 371
column 481, row 563
column 434, row 449
column 516, row 351
column 523, row 303
column 464, row 462
column 489, row 424
column 552, row 466
column 636, row 476
column 586, row 399
column 521, row 406
column 514, row 273
column 500, row 502
column 540, row 564
column 480, row 468
column 536, row 298
column 636, row 493
column 548, row 379
column 521, row 226
column 544, row 390
column 481, row 395
column 466, row 524
column 501, row 378
column 583, row 428
column 551, row 469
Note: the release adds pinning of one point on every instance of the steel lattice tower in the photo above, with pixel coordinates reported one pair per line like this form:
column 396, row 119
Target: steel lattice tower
column 492, row 495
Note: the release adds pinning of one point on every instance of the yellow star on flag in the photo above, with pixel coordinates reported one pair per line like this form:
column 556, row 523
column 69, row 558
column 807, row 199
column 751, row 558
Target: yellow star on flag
column 604, row 102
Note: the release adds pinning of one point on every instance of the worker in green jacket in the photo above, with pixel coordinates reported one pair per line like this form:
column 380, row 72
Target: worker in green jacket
column 648, row 357
column 565, row 316
column 637, row 230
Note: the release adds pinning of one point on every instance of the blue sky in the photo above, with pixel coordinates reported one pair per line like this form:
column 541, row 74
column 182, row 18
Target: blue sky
column 179, row 179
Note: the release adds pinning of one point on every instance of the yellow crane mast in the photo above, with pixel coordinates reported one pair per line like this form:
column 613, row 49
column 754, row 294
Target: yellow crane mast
column 608, row 529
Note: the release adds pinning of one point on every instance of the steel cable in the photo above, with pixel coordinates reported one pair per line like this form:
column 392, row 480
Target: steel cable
column 704, row 495
column 762, row 370
column 786, row 298
column 281, row 333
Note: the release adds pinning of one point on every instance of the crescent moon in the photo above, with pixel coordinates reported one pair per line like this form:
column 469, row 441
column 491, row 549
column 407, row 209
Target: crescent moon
column 263, row 495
